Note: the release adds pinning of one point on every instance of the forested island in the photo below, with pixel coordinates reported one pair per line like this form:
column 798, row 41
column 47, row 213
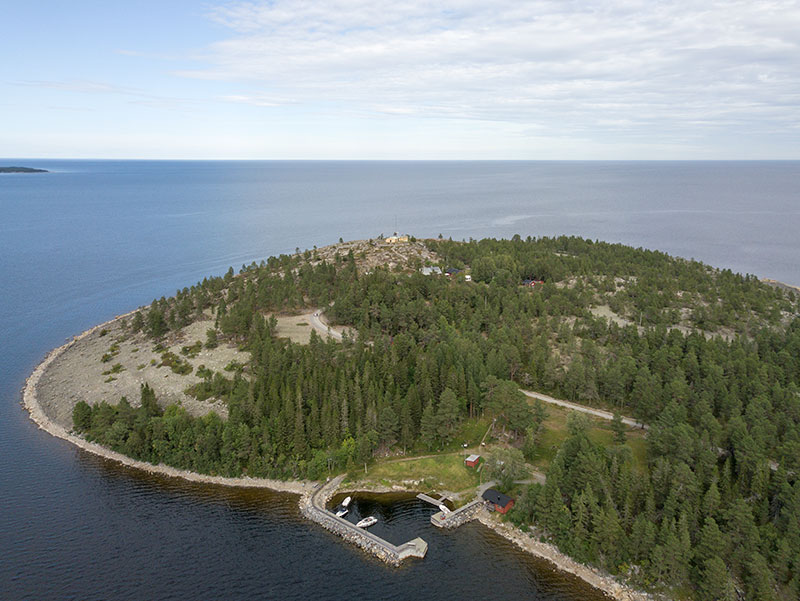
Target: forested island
column 22, row 170
column 432, row 342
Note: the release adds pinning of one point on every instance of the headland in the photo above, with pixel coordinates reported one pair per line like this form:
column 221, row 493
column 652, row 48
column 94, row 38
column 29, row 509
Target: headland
column 274, row 371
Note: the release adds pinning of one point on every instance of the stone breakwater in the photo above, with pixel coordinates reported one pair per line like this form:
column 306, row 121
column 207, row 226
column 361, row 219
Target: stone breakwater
column 462, row 515
column 312, row 506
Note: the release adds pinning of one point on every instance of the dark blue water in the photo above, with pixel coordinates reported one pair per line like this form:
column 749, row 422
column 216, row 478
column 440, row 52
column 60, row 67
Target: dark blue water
column 94, row 239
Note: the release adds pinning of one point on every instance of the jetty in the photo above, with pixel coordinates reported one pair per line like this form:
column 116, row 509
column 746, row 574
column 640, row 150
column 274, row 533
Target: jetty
column 313, row 507
column 455, row 518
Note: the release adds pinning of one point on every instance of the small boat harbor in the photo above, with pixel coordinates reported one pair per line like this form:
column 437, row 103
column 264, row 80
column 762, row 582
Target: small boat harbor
column 314, row 507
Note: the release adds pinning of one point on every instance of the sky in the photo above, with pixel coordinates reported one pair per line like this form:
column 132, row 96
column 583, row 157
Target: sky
column 351, row 79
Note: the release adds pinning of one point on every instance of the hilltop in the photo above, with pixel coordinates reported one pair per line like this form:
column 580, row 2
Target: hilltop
column 376, row 252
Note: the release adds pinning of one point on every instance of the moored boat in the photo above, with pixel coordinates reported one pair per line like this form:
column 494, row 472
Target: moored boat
column 341, row 510
column 367, row 522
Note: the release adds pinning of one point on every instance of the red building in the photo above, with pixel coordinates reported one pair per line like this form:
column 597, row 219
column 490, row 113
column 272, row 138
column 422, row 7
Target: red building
column 501, row 503
column 472, row 460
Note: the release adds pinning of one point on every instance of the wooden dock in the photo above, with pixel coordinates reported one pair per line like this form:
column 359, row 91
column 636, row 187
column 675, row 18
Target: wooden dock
column 423, row 497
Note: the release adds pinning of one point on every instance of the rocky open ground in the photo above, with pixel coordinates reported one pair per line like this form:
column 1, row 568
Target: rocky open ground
column 373, row 253
column 47, row 405
column 80, row 374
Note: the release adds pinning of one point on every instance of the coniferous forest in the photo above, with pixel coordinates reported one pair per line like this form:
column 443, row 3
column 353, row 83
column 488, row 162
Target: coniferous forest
column 709, row 359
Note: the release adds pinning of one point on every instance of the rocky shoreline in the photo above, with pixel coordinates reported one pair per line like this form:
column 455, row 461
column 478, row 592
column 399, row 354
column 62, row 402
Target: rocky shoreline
column 31, row 403
column 528, row 543
column 305, row 489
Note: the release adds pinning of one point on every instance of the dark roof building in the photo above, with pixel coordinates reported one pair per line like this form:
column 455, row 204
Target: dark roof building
column 502, row 503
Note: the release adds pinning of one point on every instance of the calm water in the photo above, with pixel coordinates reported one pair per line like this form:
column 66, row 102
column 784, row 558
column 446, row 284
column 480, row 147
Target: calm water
column 95, row 239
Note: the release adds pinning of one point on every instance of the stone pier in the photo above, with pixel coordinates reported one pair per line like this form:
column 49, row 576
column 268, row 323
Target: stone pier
column 459, row 516
column 313, row 507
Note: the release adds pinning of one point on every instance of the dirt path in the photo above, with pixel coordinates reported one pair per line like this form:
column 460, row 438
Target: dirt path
column 323, row 328
column 415, row 457
column 628, row 421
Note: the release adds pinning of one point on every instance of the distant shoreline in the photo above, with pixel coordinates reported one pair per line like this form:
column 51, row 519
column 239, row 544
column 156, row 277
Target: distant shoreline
column 22, row 170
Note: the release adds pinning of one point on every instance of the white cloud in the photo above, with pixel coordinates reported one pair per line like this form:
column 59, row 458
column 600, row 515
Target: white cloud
column 379, row 79
column 100, row 88
column 626, row 69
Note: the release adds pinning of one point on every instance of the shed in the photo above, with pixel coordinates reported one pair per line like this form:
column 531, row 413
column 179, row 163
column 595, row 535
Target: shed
column 502, row 503
column 472, row 460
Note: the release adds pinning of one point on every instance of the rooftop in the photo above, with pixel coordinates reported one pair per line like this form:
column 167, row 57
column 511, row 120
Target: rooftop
column 496, row 497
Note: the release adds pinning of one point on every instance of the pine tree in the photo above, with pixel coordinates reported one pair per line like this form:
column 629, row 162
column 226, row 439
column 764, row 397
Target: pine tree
column 429, row 427
column 388, row 426
column 715, row 582
column 148, row 401
column 619, row 429
column 447, row 415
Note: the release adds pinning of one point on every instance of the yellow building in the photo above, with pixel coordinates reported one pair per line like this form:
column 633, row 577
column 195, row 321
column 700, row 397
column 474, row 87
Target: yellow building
column 396, row 239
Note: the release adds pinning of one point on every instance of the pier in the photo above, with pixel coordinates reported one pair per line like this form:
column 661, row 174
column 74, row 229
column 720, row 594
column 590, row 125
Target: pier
column 457, row 517
column 423, row 497
column 313, row 507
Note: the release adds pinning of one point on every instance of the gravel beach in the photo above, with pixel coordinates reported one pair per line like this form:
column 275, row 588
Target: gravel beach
column 74, row 372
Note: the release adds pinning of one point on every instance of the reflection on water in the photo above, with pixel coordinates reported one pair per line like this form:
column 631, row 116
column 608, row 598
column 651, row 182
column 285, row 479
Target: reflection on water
column 257, row 527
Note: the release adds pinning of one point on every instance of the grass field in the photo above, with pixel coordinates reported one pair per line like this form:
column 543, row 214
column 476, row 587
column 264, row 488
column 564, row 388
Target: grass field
column 441, row 472
column 294, row 327
column 429, row 471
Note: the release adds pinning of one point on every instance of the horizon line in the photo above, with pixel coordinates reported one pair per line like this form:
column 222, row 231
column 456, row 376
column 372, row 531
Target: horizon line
column 406, row 160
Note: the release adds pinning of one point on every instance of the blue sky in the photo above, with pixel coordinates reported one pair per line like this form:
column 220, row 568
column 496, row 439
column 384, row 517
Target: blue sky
column 401, row 80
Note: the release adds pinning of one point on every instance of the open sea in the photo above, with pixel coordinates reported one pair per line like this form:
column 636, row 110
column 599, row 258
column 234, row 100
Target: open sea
column 93, row 239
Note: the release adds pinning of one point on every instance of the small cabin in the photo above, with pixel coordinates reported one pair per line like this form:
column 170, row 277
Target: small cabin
column 498, row 501
column 435, row 270
column 452, row 271
column 472, row 460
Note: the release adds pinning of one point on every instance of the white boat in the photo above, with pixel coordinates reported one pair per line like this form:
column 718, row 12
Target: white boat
column 341, row 510
column 367, row 522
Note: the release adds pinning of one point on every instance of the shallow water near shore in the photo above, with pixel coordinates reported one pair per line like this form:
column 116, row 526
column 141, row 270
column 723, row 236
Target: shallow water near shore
column 94, row 239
